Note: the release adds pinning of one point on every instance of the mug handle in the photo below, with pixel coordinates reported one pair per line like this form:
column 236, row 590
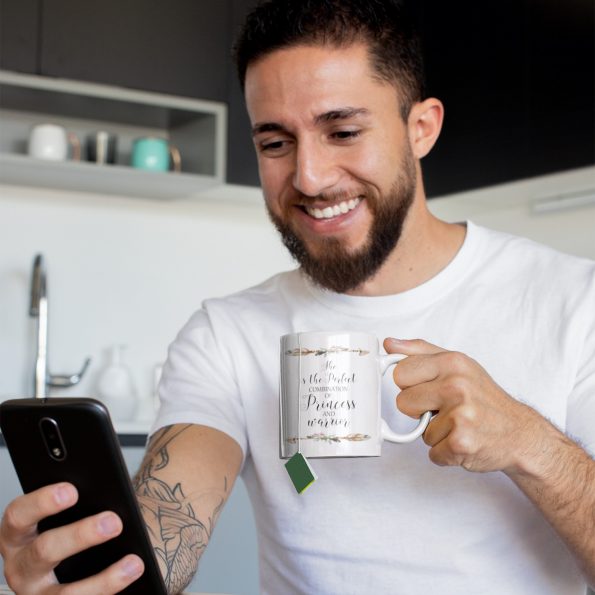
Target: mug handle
column 176, row 158
column 385, row 432
column 74, row 141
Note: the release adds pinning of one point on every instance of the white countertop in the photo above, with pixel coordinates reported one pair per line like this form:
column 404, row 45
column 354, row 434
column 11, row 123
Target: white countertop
column 132, row 427
column 4, row 590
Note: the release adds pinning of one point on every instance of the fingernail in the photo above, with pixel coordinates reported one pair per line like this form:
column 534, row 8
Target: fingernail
column 64, row 494
column 132, row 567
column 108, row 524
column 396, row 341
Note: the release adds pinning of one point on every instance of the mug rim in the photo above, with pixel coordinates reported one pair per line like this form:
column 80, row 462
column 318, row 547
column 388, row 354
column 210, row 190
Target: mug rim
column 141, row 138
column 47, row 126
column 98, row 132
column 329, row 333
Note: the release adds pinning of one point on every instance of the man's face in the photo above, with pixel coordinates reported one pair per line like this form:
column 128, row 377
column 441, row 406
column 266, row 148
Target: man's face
column 335, row 163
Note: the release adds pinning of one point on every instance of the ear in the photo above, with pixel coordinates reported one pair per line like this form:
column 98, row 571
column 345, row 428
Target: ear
column 424, row 124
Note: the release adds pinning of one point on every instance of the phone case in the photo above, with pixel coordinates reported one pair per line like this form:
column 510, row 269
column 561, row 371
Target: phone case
column 72, row 439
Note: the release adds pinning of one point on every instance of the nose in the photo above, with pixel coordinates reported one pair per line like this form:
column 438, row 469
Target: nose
column 316, row 171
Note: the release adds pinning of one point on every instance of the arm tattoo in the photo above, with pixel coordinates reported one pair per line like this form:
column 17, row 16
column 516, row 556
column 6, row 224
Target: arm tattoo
column 178, row 536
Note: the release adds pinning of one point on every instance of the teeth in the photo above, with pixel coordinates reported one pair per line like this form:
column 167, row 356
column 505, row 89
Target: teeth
column 329, row 212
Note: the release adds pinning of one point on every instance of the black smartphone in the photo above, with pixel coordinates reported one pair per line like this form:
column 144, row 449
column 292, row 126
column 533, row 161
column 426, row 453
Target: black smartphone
column 72, row 439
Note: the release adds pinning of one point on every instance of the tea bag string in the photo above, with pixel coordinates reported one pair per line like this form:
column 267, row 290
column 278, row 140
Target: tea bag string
column 299, row 399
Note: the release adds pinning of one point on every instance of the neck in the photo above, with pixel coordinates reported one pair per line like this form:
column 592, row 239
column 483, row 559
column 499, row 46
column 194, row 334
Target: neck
column 425, row 247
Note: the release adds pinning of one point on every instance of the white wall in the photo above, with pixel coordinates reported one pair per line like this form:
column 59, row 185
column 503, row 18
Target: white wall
column 508, row 207
column 120, row 270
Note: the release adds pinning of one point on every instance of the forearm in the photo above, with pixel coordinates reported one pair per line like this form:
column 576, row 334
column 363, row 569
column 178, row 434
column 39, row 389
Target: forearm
column 559, row 478
column 180, row 503
column 179, row 535
column 473, row 428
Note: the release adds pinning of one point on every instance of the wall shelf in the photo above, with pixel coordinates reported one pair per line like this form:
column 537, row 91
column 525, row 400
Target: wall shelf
column 197, row 128
column 120, row 180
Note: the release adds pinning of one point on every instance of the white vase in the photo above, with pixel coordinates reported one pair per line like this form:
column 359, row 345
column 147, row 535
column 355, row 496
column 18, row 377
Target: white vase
column 116, row 388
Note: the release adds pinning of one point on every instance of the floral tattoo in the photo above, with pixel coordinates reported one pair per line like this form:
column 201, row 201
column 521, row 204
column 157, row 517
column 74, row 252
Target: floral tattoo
column 178, row 536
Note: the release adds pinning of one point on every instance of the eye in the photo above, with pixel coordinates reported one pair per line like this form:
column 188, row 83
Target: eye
column 346, row 134
column 274, row 147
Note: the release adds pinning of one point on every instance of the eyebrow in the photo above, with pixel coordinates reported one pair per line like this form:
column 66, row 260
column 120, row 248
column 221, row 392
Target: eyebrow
column 338, row 114
column 341, row 114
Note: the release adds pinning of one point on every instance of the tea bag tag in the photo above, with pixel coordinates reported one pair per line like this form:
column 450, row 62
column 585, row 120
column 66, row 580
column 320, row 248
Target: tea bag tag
column 300, row 472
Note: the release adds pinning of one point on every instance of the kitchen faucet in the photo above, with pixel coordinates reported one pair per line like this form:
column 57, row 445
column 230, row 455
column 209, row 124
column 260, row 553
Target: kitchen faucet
column 39, row 310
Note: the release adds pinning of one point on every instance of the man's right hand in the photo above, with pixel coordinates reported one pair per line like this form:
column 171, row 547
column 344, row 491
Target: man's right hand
column 30, row 557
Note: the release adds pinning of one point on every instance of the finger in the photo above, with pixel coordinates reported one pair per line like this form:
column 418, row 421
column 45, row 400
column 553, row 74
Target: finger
column 424, row 362
column 438, row 429
column 453, row 368
column 55, row 545
column 19, row 523
column 416, row 368
column 435, row 395
column 415, row 400
column 442, row 454
column 411, row 346
column 112, row 580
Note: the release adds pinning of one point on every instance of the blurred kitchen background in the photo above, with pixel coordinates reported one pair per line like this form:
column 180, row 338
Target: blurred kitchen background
column 129, row 254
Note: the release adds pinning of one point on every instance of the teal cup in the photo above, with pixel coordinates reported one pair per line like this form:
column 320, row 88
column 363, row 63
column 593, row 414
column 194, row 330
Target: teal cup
column 155, row 154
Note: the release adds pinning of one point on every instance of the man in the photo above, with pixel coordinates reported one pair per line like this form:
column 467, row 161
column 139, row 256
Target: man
column 340, row 122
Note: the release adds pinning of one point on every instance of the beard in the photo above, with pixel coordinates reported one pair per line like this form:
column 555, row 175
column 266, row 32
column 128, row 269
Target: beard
column 341, row 270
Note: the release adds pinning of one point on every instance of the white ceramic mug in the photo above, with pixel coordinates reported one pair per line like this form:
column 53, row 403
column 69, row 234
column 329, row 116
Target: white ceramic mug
column 51, row 142
column 330, row 396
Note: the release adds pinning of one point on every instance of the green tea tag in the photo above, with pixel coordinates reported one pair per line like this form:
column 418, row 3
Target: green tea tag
column 300, row 472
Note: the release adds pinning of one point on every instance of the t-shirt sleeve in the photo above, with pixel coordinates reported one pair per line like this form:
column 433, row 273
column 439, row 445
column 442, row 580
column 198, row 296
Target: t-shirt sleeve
column 198, row 383
column 581, row 403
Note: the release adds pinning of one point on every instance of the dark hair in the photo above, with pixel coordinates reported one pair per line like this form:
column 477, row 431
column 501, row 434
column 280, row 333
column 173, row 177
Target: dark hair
column 385, row 25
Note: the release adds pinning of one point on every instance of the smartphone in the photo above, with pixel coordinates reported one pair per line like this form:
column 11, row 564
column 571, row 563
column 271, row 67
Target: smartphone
column 72, row 439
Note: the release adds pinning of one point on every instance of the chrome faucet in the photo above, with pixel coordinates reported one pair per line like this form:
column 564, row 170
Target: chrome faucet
column 39, row 310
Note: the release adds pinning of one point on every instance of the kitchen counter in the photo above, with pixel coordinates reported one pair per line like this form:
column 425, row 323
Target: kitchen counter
column 129, row 434
column 132, row 433
column 125, row 439
column 4, row 590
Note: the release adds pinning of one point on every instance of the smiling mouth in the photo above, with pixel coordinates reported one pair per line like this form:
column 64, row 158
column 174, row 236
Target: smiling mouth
column 334, row 211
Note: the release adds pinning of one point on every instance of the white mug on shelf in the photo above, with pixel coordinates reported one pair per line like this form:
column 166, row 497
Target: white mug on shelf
column 51, row 142
column 330, row 396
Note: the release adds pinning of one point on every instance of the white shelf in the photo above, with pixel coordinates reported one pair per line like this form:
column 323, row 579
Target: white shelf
column 21, row 170
column 196, row 127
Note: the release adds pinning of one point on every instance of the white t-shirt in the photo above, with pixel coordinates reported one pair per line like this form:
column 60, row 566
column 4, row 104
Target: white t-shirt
column 398, row 523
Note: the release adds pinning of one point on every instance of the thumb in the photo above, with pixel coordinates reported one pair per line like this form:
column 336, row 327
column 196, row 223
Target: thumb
column 410, row 346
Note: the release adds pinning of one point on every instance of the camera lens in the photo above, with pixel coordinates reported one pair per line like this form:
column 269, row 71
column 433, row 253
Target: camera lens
column 52, row 438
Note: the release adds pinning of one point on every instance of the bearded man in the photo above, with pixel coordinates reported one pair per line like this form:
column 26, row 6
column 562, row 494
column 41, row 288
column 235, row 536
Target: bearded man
column 497, row 498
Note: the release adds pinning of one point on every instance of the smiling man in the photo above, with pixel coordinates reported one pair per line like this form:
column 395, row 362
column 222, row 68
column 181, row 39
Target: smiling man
column 499, row 498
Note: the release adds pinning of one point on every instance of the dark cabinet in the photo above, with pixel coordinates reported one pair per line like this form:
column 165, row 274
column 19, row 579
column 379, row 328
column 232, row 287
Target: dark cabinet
column 19, row 35
column 177, row 47
column 517, row 77
column 241, row 156
column 561, row 99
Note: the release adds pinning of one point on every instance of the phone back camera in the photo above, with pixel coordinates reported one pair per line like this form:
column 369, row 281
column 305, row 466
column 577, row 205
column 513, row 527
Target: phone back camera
column 52, row 438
